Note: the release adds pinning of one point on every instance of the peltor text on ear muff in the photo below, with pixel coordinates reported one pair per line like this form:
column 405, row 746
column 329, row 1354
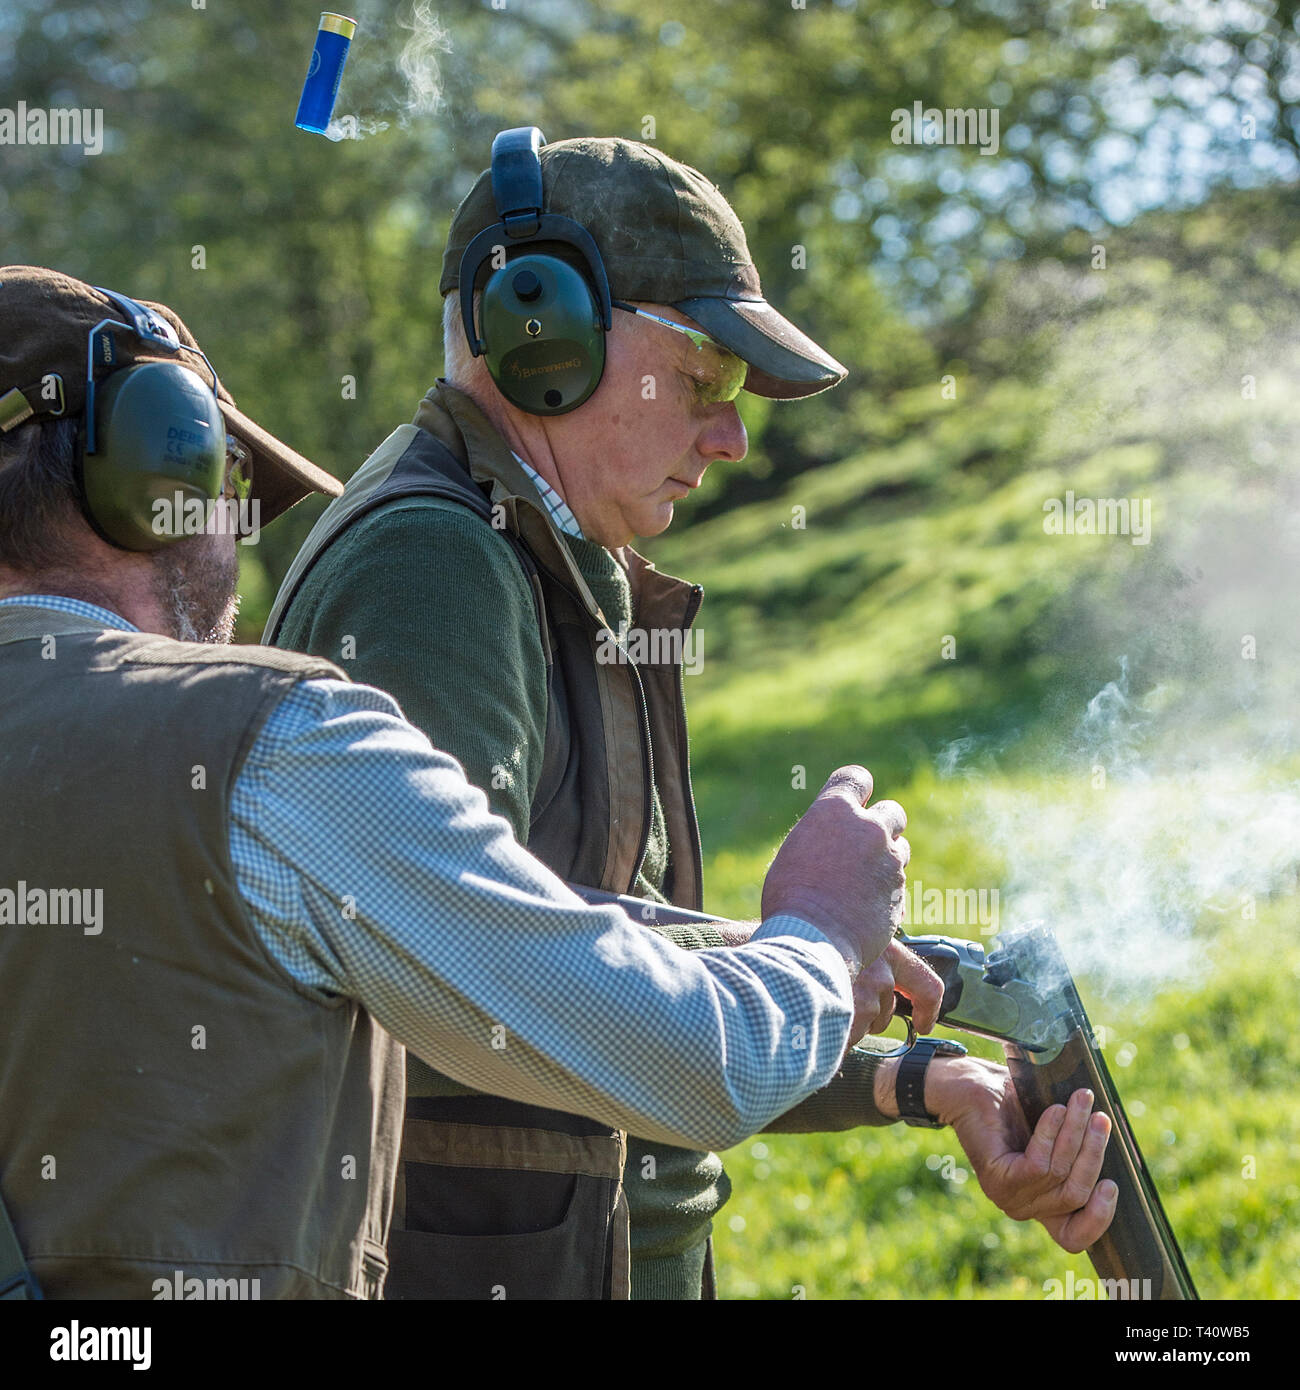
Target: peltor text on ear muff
column 543, row 321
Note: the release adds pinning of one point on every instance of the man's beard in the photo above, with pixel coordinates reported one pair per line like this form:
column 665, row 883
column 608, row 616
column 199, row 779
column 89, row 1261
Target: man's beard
column 194, row 583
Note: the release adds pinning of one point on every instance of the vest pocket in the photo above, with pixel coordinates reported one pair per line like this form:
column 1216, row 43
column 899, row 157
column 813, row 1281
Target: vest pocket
column 570, row 1260
column 501, row 1211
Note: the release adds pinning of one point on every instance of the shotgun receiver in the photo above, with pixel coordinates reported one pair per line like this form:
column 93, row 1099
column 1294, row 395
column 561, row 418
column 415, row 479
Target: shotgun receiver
column 1021, row 994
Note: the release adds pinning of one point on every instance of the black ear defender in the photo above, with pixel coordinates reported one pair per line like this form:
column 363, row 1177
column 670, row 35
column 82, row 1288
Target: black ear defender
column 153, row 434
column 543, row 320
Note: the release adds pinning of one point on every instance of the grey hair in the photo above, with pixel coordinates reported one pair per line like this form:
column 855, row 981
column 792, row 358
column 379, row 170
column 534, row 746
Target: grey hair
column 459, row 366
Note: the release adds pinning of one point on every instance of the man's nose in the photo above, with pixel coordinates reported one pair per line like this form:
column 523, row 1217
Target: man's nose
column 724, row 438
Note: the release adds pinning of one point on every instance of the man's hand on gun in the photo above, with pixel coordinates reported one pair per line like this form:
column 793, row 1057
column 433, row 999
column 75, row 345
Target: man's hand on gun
column 1048, row 1176
column 895, row 971
column 842, row 868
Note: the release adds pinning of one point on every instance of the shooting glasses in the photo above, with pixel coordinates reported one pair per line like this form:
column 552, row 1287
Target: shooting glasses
column 724, row 372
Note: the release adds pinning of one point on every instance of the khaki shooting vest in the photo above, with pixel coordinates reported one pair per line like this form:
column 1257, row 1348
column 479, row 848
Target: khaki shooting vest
column 172, row 1103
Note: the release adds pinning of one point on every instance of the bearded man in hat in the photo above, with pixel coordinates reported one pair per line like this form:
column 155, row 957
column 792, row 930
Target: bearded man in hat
column 602, row 315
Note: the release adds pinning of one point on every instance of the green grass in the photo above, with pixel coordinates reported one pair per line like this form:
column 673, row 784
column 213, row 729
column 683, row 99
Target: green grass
column 1207, row 1076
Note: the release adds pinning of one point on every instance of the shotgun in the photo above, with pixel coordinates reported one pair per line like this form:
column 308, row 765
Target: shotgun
column 1021, row 994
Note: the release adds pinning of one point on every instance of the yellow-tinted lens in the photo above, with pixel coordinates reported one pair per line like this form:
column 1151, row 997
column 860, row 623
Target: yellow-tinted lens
column 719, row 375
column 239, row 471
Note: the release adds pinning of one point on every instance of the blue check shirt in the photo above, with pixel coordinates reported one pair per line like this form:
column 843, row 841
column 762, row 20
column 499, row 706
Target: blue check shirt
column 372, row 869
column 559, row 509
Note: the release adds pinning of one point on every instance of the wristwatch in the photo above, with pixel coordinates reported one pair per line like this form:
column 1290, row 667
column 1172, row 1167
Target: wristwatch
column 909, row 1085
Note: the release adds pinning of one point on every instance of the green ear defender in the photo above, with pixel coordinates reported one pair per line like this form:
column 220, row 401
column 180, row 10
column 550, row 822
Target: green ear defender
column 542, row 338
column 543, row 321
column 160, row 439
column 154, row 438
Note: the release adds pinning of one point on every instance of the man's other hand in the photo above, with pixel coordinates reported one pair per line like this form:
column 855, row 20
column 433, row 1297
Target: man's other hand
column 1049, row 1175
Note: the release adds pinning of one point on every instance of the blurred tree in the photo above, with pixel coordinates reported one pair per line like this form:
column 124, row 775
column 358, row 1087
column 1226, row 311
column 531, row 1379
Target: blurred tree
column 305, row 265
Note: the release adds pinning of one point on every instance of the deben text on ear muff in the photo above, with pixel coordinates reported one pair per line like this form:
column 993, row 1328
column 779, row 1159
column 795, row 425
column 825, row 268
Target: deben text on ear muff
column 151, row 431
column 543, row 321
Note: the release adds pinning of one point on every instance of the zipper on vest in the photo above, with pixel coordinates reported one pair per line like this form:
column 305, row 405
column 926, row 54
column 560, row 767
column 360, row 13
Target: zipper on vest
column 648, row 763
column 697, row 902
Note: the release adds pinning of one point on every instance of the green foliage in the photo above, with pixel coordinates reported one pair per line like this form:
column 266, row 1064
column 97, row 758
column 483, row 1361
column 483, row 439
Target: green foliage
column 321, row 260
column 827, row 606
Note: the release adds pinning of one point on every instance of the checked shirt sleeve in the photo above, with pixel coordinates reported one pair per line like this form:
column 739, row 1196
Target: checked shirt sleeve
column 372, row 869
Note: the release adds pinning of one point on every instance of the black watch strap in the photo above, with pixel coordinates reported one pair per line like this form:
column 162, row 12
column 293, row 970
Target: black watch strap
column 909, row 1088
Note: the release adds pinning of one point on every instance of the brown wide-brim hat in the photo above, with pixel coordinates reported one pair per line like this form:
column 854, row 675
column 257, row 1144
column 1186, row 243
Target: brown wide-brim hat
column 668, row 236
column 45, row 322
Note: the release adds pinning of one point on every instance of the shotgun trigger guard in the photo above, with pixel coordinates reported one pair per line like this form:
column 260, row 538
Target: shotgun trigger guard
column 902, row 1047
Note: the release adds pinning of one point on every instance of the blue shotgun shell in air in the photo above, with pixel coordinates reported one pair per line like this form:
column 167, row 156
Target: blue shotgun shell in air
column 333, row 39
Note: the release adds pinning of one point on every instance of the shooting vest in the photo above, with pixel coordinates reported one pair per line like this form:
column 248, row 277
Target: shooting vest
column 173, row 1106
column 590, row 821
column 591, row 812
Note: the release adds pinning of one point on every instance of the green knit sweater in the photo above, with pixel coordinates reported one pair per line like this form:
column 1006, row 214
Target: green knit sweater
column 421, row 598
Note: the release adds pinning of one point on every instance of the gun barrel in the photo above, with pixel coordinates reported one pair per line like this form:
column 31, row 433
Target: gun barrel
column 1138, row 1257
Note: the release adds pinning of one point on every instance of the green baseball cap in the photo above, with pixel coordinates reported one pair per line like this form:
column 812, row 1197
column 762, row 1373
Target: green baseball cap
column 667, row 236
column 47, row 319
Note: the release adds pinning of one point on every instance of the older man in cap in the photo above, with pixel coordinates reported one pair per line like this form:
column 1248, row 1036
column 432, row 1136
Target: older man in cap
column 602, row 315
column 232, row 882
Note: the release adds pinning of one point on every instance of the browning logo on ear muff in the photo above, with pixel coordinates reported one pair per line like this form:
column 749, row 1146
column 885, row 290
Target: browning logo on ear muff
column 153, row 433
column 543, row 321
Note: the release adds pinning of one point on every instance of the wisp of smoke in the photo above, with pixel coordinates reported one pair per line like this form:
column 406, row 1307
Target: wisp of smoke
column 352, row 127
column 417, row 64
column 1139, row 842
column 1169, row 806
